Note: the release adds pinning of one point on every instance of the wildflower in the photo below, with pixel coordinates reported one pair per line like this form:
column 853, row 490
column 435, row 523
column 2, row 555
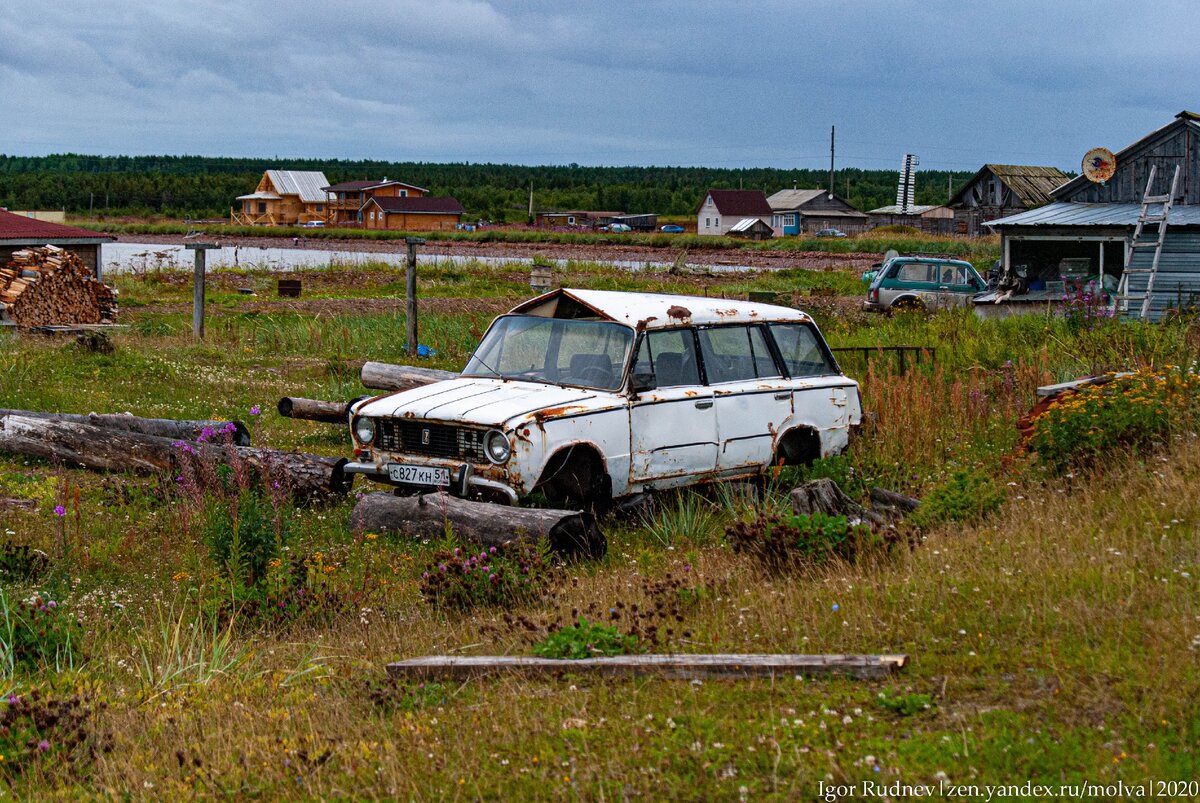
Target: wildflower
column 835, row 607
column 255, row 410
column 59, row 510
column 43, row 746
column 205, row 434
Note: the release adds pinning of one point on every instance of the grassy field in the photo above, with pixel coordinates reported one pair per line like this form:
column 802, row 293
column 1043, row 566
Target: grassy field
column 1052, row 628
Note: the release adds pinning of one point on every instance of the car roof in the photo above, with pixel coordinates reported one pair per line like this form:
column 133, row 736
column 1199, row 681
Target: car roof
column 653, row 310
column 919, row 258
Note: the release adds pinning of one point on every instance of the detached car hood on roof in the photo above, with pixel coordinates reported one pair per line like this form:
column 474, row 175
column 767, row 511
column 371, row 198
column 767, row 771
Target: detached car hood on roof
column 487, row 402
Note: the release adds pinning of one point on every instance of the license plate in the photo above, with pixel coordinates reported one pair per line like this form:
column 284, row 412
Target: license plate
column 419, row 475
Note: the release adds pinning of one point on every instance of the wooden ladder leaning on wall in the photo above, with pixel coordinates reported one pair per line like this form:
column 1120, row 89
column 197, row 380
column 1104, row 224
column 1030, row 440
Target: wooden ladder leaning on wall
column 1125, row 294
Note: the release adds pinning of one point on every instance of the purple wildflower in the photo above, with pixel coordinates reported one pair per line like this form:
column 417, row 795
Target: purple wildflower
column 43, row 746
column 205, row 434
column 59, row 510
column 229, row 428
column 255, row 410
column 51, row 604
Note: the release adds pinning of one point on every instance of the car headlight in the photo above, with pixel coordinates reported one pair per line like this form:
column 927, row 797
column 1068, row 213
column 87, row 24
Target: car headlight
column 364, row 429
column 496, row 447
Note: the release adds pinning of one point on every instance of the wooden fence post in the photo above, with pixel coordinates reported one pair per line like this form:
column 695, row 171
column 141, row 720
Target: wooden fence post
column 198, row 287
column 411, row 305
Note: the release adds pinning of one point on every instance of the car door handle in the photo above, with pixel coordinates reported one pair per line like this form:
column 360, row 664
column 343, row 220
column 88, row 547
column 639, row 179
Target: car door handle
column 783, row 396
column 704, row 405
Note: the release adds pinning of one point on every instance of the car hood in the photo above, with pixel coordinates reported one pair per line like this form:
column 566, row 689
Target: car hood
column 488, row 402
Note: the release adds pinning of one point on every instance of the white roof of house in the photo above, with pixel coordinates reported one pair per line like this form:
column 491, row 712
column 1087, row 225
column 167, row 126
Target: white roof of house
column 308, row 184
column 745, row 224
column 259, row 196
column 792, row 199
column 658, row 310
column 895, row 209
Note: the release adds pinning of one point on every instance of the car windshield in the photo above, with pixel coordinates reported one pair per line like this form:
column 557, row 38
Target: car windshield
column 561, row 351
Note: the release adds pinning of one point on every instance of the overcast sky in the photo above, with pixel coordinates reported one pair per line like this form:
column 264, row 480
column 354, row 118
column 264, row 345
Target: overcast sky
column 724, row 84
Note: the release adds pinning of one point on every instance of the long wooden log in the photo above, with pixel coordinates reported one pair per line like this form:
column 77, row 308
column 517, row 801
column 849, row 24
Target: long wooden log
column 160, row 427
column 308, row 477
column 385, row 376
column 675, row 666
column 569, row 532
column 331, row 412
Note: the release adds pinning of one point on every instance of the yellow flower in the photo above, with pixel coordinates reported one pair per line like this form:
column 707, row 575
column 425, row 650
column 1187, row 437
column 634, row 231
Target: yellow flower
column 372, row 536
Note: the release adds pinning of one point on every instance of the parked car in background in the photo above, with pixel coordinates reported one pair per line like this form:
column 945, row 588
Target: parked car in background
column 923, row 283
column 620, row 227
column 830, row 233
column 579, row 397
column 671, row 228
column 313, row 224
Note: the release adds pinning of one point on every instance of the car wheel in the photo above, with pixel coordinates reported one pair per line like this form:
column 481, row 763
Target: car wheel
column 575, row 478
column 909, row 305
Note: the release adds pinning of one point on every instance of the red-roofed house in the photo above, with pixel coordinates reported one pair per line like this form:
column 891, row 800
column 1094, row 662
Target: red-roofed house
column 406, row 213
column 18, row 231
column 721, row 210
column 348, row 199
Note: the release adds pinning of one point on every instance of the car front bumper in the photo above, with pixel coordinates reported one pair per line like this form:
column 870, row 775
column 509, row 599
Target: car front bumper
column 462, row 481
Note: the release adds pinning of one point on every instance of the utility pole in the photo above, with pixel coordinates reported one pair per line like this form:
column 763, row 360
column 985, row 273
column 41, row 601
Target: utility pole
column 832, row 133
column 530, row 202
column 949, row 186
column 411, row 294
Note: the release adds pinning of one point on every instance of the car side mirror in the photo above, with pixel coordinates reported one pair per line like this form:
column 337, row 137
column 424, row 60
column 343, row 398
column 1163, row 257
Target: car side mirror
column 643, row 382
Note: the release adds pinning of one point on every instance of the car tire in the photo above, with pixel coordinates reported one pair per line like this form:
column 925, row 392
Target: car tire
column 909, row 305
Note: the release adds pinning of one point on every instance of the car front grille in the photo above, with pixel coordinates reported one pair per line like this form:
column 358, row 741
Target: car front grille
column 423, row 437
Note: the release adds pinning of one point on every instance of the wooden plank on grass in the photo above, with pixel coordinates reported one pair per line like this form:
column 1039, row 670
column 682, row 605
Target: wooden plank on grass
column 681, row 667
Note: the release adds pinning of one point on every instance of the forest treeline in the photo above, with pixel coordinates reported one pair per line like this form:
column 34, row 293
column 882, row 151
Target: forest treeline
column 205, row 187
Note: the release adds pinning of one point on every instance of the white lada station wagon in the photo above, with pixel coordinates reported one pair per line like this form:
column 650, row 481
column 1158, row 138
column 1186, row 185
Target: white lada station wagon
column 579, row 397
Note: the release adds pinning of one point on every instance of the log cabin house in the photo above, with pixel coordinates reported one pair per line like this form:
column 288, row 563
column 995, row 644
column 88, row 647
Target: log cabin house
column 348, row 199
column 408, row 213
column 284, row 198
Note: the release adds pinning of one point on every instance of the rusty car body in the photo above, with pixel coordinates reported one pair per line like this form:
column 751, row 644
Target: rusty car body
column 585, row 396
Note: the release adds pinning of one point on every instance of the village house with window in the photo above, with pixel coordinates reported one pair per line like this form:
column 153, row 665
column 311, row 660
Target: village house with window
column 797, row 211
column 1083, row 238
column 412, row 213
column 347, row 199
column 928, row 218
column 998, row 191
column 284, row 198
column 722, row 210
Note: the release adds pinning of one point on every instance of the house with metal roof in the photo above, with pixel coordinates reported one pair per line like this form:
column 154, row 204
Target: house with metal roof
column 23, row 231
column 721, row 210
column 929, row 218
column 798, row 211
column 1086, row 236
column 997, row 191
column 284, row 198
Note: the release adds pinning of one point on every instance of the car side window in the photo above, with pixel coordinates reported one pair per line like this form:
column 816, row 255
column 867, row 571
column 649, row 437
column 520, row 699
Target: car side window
column 670, row 356
column 736, row 353
column 801, row 350
column 917, row 272
column 953, row 274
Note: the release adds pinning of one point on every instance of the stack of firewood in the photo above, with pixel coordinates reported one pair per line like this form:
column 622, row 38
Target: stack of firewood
column 50, row 286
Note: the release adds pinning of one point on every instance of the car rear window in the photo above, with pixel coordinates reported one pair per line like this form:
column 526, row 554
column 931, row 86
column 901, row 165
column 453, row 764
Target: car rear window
column 917, row 272
column 800, row 347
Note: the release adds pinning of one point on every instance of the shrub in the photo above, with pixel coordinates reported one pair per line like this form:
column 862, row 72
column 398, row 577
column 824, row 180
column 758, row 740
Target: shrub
column 39, row 729
column 244, row 533
column 968, row 497
column 904, row 705
column 504, row 575
column 585, row 640
column 783, row 541
column 35, row 633
column 1128, row 412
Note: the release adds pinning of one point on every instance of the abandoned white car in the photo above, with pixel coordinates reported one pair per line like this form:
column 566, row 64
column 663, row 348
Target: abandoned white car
column 579, row 397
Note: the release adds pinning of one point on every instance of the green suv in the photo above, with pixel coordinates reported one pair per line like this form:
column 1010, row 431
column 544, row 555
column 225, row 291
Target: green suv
column 923, row 283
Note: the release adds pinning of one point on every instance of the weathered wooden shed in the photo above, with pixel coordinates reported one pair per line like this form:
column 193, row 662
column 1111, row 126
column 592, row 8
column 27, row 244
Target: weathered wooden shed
column 1087, row 230
column 1000, row 190
column 929, row 218
column 19, row 231
column 798, row 211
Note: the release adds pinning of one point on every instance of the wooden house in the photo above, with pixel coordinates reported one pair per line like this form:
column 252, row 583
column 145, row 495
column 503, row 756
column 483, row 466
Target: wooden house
column 997, row 191
column 20, row 231
column 412, row 213
column 929, row 218
column 721, row 210
column 348, row 199
column 284, row 198
column 797, row 211
column 582, row 218
column 1086, row 231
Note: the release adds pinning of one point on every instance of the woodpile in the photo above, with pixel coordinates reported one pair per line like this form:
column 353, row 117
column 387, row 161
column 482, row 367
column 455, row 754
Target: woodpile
column 50, row 286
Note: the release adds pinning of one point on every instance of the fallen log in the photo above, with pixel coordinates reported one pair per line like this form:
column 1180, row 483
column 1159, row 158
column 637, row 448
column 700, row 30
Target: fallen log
column 824, row 496
column 159, row 427
column 885, row 501
column 308, row 477
column 385, row 376
column 569, row 532
column 330, row 412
